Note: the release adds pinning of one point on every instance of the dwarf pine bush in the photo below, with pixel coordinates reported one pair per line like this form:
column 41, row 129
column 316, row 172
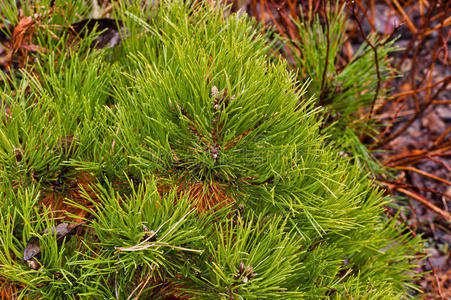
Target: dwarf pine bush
column 181, row 163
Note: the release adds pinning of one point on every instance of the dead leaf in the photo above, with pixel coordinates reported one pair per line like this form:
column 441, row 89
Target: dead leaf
column 20, row 35
column 33, row 248
column 111, row 31
column 61, row 230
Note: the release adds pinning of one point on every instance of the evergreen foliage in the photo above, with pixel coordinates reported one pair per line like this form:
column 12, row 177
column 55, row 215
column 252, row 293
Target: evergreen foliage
column 346, row 93
column 192, row 165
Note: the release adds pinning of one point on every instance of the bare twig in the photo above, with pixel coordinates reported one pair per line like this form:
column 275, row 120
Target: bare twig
column 412, row 28
column 376, row 59
column 423, row 173
column 326, row 62
column 446, row 80
column 142, row 288
column 142, row 284
column 143, row 245
column 147, row 246
column 397, row 183
column 437, row 281
column 446, row 215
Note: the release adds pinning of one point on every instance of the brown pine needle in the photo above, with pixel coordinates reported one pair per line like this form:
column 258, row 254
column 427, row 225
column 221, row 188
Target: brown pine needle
column 446, row 215
column 405, row 16
column 424, row 174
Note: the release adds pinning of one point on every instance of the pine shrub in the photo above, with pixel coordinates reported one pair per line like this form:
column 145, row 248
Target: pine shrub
column 181, row 164
column 347, row 92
